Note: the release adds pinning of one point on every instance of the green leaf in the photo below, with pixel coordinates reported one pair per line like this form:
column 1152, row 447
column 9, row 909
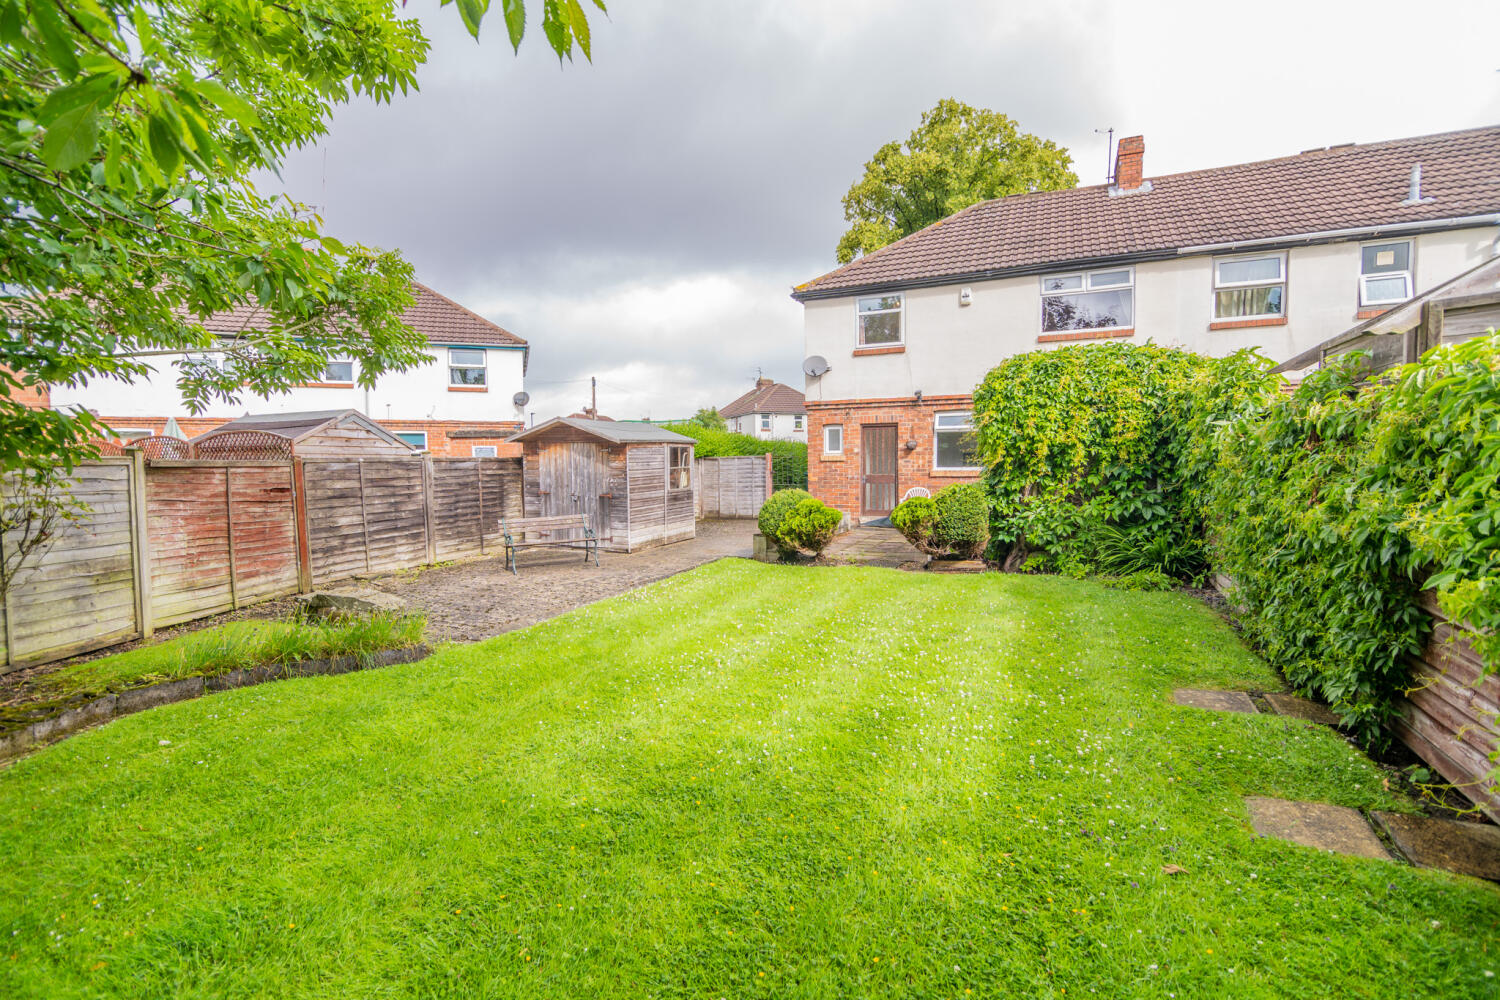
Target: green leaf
column 166, row 148
column 232, row 104
column 57, row 38
column 580, row 22
column 11, row 23
column 72, row 137
column 515, row 21
column 472, row 12
column 144, row 32
column 89, row 90
column 555, row 25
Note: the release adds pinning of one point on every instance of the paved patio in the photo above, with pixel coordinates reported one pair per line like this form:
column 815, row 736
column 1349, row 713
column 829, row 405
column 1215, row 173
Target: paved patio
column 867, row 546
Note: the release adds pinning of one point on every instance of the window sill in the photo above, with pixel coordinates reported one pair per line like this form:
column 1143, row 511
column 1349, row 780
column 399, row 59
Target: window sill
column 326, row 385
column 468, row 388
column 1370, row 312
column 860, row 352
column 1242, row 324
column 1053, row 338
column 839, row 457
column 956, row 473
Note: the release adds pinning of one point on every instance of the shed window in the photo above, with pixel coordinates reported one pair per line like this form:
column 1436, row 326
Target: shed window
column 338, row 371
column 1250, row 287
column 417, row 439
column 880, row 319
column 465, row 366
column 679, row 467
column 482, row 451
column 833, row 439
column 953, row 445
column 1384, row 273
column 1092, row 300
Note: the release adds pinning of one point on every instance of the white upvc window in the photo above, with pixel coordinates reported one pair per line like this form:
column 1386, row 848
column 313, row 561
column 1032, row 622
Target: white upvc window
column 953, row 443
column 339, row 371
column 1089, row 300
column 880, row 320
column 1250, row 287
column 482, row 451
column 1385, row 273
column 131, row 433
column 833, row 439
column 417, row 439
column 797, row 422
column 466, row 366
column 765, row 421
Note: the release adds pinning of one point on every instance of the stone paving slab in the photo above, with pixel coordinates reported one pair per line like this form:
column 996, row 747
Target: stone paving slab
column 1216, row 701
column 1315, row 824
column 1449, row 844
column 956, row 566
column 1301, row 708
column 867, row 546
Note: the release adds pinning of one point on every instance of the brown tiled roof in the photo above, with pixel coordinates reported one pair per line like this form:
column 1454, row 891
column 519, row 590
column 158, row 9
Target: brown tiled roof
column 1338, row 188
column 766, row 397
column 434, row 316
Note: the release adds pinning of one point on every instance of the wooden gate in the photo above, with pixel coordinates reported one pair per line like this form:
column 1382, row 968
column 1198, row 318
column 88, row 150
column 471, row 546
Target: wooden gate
column 570, row 478
column 878, row 462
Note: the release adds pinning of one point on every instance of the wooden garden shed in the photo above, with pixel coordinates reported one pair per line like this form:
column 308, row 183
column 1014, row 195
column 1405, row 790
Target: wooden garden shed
column 338, row 434
column 633, row 480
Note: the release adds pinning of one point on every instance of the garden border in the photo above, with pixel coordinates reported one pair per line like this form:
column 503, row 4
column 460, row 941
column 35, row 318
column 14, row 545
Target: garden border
column 113, row 706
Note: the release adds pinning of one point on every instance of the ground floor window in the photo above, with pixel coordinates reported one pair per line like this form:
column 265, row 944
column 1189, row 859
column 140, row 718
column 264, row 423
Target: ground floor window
column 797, row 422
column 954, row 445
column 417, row 439
column 679, row 467
column 482, row 451
column 833, row 439
column 765, row 421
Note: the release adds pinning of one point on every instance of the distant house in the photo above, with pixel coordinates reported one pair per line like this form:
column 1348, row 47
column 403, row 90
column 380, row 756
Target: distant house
column 460, row 404
column 771, row 410
column 1278, row 255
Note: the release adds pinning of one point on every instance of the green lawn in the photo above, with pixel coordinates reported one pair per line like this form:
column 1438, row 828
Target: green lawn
column 746, row 781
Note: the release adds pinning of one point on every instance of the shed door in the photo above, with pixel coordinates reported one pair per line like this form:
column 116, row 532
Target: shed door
column 571, row 477
column 877, row 455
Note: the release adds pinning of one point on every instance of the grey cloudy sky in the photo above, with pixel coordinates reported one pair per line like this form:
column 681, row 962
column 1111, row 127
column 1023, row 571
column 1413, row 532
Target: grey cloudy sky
column 642, row 218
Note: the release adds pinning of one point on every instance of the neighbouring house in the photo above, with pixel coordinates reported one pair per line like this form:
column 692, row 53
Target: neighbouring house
column 634, row 481
column 771, row 410
column 460, row 404
column 1275, row 255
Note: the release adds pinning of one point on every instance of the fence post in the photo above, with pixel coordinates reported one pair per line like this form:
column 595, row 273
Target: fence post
column 140, row 541
column 234, row 593
column 770, row 483
column 479, row 474
column 10, row 632
column 299, row 524
column 427, row 474
column 364, row 519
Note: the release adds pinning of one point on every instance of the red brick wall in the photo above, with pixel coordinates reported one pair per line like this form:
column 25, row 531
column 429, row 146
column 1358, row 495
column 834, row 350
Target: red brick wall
column 438, row 441
column 835, row 479
column 35, row 397
column 1130, row 155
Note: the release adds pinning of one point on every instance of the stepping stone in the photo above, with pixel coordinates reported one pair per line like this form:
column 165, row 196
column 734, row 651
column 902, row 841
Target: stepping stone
column 1301, row 708
column 1449, row 844
column 956, row 566
column 1217, row 701
column 1315, row 824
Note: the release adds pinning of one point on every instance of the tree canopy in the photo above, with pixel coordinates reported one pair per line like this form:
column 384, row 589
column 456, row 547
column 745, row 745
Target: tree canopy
column 957, row 156
column 129, row 135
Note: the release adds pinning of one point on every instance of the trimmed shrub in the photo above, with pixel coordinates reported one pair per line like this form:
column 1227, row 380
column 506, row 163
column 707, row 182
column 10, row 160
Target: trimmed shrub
column 915, row 518
column 963, row 520
column 810, row 525
column 774, row 511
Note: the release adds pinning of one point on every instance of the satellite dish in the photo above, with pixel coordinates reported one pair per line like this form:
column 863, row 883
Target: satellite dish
column 521, row 398
column 815, row 366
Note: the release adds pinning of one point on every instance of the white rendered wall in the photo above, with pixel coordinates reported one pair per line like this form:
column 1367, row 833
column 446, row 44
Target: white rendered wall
column 783, row 427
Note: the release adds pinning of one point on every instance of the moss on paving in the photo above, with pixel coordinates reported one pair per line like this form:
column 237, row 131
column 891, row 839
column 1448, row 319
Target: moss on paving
column 746, row 781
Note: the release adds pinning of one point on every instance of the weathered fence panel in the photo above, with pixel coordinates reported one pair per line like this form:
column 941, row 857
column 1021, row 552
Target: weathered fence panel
column 732, row 485
column 365, row 516
column 1449, row 714
column 469, row 496
column 80, row 593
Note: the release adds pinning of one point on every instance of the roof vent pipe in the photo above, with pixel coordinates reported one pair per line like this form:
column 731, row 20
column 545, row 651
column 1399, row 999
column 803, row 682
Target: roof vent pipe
column 1414, row 192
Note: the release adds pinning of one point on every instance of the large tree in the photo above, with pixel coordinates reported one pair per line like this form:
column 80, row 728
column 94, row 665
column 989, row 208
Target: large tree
column 957, row 156
column 129, row 134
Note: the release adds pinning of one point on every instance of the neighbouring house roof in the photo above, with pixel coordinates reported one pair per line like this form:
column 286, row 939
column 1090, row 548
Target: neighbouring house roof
column 612, row 431
column 766, row 397
column 296, row 426
column 434, row 316
column 1313, row 195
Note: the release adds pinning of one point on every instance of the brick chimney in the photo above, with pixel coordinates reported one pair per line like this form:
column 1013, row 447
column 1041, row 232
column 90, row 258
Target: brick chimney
column 762, row 382
column 1128, row 156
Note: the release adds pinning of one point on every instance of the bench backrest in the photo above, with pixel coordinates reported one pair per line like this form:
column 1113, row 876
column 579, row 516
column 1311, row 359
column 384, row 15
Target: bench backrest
column 544, row 523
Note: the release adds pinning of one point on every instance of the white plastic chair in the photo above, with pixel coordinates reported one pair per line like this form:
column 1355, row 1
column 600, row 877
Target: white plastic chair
column 916, row 491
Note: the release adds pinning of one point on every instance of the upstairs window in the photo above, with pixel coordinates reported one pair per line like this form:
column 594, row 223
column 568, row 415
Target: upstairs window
column 339, row 371
column 954, row 446
column 466, row 366
column 679, row 467
column 1089, row 300
column 1384, row 273
column 1250, row 287
column 833, row 439
column 880, row 319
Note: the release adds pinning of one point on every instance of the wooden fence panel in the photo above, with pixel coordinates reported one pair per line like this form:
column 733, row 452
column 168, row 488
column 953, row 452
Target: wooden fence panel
column 469, row 498
column 265, row 534
column 395, row 518
column 79, row 594
column 187, row 523
column 731, row 485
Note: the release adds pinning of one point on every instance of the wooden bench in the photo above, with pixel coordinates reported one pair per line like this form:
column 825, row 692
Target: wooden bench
column 564, row 531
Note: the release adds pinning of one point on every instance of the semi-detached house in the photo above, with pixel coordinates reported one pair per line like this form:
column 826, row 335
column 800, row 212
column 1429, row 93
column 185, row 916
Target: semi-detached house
column 1278, row 254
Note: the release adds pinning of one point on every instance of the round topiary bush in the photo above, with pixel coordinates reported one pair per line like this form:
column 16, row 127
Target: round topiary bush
column 963, row 520
column 915, row 518
column 809, row 526
column 775, row 510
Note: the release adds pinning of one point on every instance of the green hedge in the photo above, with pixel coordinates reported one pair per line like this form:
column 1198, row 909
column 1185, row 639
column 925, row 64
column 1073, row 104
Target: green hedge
column 788, row 458
column 795, row 520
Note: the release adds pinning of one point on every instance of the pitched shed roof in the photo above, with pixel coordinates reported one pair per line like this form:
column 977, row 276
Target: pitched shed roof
column 612, row 431
column 1318, row 192
column 436, row 317
column 766, row 397
column 296, row 426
